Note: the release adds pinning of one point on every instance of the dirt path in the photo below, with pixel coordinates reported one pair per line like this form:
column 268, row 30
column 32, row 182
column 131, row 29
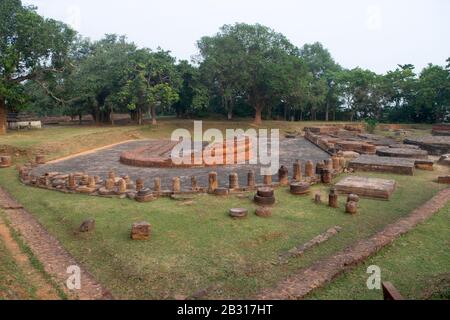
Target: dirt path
column 48, row 251
column 44, row 290
column 323, row 271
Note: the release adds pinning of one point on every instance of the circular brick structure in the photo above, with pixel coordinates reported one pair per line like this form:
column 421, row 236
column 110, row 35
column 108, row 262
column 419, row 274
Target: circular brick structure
column 158, row 154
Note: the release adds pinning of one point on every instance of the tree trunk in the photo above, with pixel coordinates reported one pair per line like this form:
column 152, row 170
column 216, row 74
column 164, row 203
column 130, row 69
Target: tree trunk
column 153, row 112
column 111, row 114
column 139, row 116
column 230, row 109
column 80, row 119
column 258, row 111
column 326, row 111
column 97, row 114
column 3, row 115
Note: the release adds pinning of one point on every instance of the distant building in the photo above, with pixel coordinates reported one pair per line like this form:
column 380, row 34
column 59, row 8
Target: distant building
column 20, row 120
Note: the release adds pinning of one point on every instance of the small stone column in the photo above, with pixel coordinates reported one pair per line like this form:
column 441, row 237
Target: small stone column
column 318, row 198
column 328, row 164
column 267, row 180
column 176, row 185
column 283, row 176
column 351, row 207
column 72, row 184
column 84, row 180
column 342, row 162
column 194, row 184
column 353, row 197
column 309, row 168
column 91, row 182
column 109, row 184
column 213, row 183
column 5, row 161
column 139, row 184
column 112, row 175
column 122, row 186
column 336, row 164
column 326, row 176
column 40, row 159
column 157, row 185
column 233, row 181
column 251, row 181
column 319, row 167
column 297, row 171
column 333, row 199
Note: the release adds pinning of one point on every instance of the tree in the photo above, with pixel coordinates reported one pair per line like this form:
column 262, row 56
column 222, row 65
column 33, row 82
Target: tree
column 220, row 68
column 323, row 69
column 193, row 94
column 252, row 58
column 152, row 82
column 31, row 47
column 433, row 96
column 401, row 87
column 356, row 90
column 100, row 75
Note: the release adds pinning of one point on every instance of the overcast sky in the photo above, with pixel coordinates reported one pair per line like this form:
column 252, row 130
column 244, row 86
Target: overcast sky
column 376, row 34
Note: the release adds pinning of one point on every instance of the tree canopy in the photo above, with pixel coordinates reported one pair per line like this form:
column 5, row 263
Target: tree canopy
column 31, row 48
column 243, row 70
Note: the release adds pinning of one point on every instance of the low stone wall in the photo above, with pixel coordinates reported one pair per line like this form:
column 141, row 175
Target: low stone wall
column 441, row 129
column 435, row 145
column 333, row 144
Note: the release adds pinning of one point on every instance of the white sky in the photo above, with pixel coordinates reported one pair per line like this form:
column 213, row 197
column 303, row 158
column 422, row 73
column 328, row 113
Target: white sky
column 376, row 34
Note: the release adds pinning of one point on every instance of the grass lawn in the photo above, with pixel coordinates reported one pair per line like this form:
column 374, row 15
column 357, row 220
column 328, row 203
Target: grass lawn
column 418, row 264
column 14, row 285
column 198, row 246
column 193, row 246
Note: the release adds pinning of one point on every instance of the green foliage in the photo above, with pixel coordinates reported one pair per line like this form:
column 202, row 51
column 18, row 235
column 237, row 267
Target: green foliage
column 371, row 124
column 31, row 48
column 243, row 69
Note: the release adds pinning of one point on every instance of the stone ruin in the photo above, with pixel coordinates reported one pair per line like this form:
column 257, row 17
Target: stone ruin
column 441, row 129
column 369, row 152
column 435, row 145
column 5, row 161
column 366, row 187
column 159, row 154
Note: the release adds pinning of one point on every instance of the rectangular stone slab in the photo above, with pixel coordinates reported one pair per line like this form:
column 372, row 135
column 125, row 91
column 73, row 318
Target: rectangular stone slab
column 367, row 187
column 383, row 164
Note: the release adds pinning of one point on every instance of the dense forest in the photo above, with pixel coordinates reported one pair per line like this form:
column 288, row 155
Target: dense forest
column 242, row 71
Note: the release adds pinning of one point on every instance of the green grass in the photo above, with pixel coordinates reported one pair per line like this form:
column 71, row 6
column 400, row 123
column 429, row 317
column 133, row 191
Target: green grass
column 13, row 282
column 196, row 246
column 199, row 246
column 418, row 264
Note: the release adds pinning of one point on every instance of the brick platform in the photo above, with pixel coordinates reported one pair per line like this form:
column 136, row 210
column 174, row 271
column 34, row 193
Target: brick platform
column 435, row 145
column 402, row 153
column 367, row 187
column 383, row 164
